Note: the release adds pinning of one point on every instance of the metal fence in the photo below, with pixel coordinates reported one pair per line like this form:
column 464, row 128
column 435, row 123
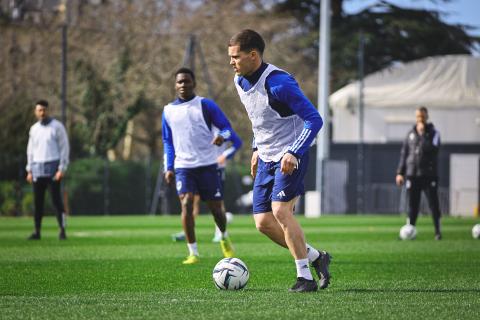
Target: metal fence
column 388, row 198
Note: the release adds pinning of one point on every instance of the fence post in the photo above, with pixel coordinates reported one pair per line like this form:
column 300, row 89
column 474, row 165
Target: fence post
column 106, row 187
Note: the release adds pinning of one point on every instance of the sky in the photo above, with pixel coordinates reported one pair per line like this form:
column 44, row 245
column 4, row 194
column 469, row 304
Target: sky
column 456, row 11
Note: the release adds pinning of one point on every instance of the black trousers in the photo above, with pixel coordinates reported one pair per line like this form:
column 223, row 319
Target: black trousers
column 429, row 185
column 39, row 188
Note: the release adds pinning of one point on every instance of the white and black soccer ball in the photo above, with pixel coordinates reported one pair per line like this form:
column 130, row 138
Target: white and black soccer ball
column 230, row 274
column 408, row 232
column 476, row 231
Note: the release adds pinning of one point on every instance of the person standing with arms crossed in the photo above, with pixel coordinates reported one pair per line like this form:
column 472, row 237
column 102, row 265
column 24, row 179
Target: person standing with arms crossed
column 47, row 160
column 191, row 158
column 284, row 124
column 417, row 168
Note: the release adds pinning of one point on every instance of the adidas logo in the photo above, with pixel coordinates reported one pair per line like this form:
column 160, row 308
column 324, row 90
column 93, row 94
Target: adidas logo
column 281, row 194
column 218, row 194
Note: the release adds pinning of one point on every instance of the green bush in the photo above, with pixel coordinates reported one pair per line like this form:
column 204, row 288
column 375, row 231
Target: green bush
column 8, row 199
column 27, row 204
column 96, row 186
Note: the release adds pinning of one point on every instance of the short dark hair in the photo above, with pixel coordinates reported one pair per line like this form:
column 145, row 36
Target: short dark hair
column 43, row 103
column 185, row 70
column 423, row 109
column 248, row 40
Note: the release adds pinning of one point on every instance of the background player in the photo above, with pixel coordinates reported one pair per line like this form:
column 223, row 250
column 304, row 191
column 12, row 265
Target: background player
column 47, row 160
column 190, row 156
column 419, row 163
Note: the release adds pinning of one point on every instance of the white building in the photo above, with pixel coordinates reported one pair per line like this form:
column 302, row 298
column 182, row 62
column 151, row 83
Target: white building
column 449, row 86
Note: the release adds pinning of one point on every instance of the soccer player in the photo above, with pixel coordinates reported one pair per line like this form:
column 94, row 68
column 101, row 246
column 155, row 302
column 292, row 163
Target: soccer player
column 224, row 153
column 418, row 164
column 47, row 160
column 284, row 124
column 190, row 156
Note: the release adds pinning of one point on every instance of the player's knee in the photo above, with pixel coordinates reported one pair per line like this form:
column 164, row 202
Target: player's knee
column 187, row 203
column 282, row 215
column 262, row 226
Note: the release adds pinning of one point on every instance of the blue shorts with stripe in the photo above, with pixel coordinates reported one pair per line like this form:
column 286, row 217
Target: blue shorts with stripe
column 204, row 181
column 272, row 185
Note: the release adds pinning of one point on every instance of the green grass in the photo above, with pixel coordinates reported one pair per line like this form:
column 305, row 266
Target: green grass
column 128, row 267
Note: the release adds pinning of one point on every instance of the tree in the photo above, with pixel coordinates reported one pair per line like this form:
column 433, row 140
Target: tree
column 104, row 107
column 17, row 117
column 391, row 34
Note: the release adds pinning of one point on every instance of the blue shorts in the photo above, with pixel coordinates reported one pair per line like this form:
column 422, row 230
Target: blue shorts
column 271, row 185
column 204, row 181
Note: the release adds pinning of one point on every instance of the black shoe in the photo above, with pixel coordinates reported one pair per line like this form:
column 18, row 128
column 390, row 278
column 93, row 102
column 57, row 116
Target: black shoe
column 62, row 235
column 304, row 285
column 321, row 268
column 438, row 236
column 34, row 236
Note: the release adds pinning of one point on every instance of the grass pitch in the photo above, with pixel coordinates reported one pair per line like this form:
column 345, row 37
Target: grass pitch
column 129, row 268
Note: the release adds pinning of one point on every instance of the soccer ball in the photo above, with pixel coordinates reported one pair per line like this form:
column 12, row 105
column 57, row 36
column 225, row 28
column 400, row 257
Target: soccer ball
column 408, row 232
column 476, row 231
column 230, row 274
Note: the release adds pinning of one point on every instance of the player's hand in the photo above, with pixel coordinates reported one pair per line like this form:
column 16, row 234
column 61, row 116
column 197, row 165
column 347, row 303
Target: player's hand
column 221, row 160
column 58, row 175
column 169, row 176
column 218, row 140
column 29, row 177
column 399, row 180
column 288, row 164
column 254, row 164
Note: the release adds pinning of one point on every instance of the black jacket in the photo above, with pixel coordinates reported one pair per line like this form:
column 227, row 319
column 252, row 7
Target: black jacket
column 419, row 155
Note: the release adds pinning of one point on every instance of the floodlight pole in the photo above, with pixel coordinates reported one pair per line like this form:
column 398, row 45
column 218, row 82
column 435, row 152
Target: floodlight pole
column 63, row 94
column 361, row 138
column 189, row 57
column 323, row 138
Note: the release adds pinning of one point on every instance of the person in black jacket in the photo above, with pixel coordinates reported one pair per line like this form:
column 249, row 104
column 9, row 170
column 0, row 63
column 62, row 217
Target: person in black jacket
column 418, row 168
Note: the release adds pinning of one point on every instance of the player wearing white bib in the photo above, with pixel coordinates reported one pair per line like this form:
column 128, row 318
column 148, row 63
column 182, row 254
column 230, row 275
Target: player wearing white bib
column 284, row 124
column 190, row 156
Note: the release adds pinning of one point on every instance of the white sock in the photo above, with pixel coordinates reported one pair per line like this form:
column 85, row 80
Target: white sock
column 312, row 253
column 192, row 248
column 224, row 234
column 303, row 270
column 218, row 233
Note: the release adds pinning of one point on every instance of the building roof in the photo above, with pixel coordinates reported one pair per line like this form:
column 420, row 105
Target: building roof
column 451, row 81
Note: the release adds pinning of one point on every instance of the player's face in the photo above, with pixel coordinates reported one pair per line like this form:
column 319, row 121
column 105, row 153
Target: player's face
column 243, row 63
column 421, row 116
column 41, row 112
column 184, row 85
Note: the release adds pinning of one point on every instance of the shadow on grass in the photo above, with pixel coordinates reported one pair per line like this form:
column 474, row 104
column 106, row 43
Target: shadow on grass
column 413, row 290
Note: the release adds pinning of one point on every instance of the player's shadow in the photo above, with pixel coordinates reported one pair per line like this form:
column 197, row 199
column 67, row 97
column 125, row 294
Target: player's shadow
column 410, row 290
